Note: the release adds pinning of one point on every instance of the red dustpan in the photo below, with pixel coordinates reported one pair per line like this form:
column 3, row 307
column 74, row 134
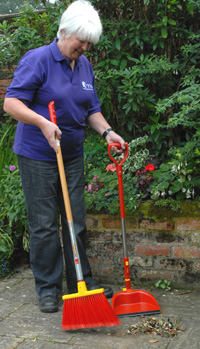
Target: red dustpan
column 129, row 302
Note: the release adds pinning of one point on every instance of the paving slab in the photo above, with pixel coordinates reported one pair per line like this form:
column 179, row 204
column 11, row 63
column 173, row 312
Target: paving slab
column 23, row 326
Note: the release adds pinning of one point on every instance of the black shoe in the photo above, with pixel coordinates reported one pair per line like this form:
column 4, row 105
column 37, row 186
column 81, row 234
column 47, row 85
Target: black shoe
column 95, row 286
column 48, row 304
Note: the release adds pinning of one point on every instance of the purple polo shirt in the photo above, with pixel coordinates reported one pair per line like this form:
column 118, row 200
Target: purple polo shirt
column 44, row 75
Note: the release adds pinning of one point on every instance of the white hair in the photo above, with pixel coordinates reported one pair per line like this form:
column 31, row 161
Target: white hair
column 81, row 19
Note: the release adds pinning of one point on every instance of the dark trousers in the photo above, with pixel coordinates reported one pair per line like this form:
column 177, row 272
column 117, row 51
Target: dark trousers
column 44, row 200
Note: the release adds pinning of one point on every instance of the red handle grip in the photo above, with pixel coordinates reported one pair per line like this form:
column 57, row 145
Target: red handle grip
column 118, row 145
column 52, row 112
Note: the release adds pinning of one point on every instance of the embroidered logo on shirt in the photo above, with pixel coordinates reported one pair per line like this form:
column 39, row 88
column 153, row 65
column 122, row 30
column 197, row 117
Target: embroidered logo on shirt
column 87, row 87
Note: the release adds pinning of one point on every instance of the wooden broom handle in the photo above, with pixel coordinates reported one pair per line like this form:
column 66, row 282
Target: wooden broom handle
column 61, row 166
column 63, row 182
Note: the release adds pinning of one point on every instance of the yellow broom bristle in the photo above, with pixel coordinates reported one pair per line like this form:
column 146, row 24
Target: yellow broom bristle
column 88, row 311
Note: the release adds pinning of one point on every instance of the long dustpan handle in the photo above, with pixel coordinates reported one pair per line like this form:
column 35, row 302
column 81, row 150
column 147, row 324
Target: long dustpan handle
column 66, row 199
column 119, row 163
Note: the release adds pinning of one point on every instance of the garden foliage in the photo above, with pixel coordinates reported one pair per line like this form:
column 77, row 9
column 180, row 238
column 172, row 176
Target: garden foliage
column 148, row 80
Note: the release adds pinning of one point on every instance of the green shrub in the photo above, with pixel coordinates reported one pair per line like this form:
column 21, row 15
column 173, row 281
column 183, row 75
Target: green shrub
column 7, row 132
column 13, row 218
column 6, row 249
column 179, row 178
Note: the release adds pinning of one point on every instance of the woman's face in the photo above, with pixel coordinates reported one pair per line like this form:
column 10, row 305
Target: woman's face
column 72, row 47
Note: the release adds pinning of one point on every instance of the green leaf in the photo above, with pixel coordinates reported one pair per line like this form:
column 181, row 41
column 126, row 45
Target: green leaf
column 134, row 106
column 102, row 63
column 114, row 32
column 137, row 39
column 149, row 104
column 128, row 108
column 165, row 19
column 118, row 44
column 164, row 32
column 153, row 128
column 154, row 46
column 190, row 8
column 130, row 125
column 155, row 119
column 161, row 44
column 132, row 58
column 142, row 57
column 171, row 21
column 114, row 62
column 165, row 167
column 123, row 64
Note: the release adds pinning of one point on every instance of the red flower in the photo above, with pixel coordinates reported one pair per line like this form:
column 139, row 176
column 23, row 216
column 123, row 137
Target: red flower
column 148, row 178
column 150, row 167
column 111, row 167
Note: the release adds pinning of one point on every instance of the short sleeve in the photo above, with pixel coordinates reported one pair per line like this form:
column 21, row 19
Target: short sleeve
column 26, row 80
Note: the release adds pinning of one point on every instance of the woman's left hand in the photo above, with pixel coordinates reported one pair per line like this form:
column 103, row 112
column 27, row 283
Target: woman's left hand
column 113, row 137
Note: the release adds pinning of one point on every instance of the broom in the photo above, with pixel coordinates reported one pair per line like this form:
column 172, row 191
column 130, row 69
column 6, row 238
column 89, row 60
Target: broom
column 85, row 308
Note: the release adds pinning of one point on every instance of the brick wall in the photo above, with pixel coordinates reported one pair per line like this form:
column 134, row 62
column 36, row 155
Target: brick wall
column 161, row 244
column 3, row 85
column 5, row 80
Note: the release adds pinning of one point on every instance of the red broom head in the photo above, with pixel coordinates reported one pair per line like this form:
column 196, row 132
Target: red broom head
column 88, row 311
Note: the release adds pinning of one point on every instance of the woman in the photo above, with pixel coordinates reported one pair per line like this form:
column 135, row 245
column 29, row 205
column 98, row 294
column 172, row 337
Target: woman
column 58, row 72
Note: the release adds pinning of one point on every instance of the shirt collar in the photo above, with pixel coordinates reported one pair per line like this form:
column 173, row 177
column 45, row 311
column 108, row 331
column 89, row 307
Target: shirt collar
column 57, row 55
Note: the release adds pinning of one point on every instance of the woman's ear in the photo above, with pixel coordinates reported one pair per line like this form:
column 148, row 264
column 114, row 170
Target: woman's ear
column 63, row 34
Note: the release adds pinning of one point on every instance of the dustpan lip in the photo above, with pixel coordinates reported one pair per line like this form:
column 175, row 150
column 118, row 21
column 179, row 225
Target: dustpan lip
column 142, row 313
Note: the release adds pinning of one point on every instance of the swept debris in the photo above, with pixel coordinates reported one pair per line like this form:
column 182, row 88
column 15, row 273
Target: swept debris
column 162, row 327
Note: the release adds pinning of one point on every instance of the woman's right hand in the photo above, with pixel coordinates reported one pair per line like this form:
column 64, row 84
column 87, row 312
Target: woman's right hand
column 50, row 132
